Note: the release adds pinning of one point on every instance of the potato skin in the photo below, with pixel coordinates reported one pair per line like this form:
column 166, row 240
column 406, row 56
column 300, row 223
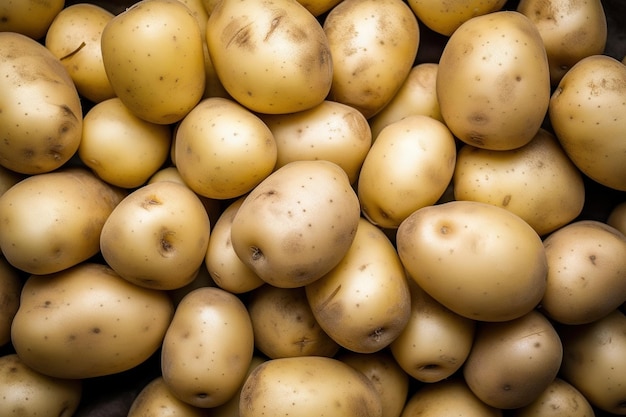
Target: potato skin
column 10, row 289
column 41, row 109
column 493, row 82
column 87, row 321
column 156, row 400
column 560, row 399
column 207, row 348
column 31, row 18
column 447, row 17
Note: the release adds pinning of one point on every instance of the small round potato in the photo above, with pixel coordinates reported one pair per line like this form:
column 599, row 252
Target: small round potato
column 207, row 348
column 74, row 37
column 31, row 18
column 87, row 321
column 122, row 149
column 25, row 392
column 560, row 399
column 157, row 236
column 223, row 150
column 308, row 386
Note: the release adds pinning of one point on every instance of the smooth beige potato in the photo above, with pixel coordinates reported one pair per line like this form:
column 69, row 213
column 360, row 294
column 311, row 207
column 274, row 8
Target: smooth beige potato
column 586, row 111
column 445, row 17
column 560, row 399
column 157, row 236
column 74, row 37
column 479, row 260
column 10, row 290
column 537, row 181
column 586, row 264
column 207, row 348
column 29, row 17
column 41, row 114
column 25, row 392
column 121, row 148
column 435, row 342
column 156, row 400
column 87, row 321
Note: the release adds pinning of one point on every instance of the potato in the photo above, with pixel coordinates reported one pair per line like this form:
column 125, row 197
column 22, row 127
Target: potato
column 408, row 167
column 29, row 17
column 10, row 289
column 571, row 30
column 593, row 360
column 586, row 264
column 493, row 82
column 478, row 260
column 617, row 217
column 41, row 111
column 332, row 131
column 223, row 150
column 511, row 363
column 156, row 400
column 307, row 386
column 157, row 236
column 391, row 382
column 297, row 224
column 447, row 17
column 52, row 221
column 373, row 45
column 586, row 115
column 122, row 149
column 8, row 179
column 284, row 325
column 153, row 57
column 450, row 396
column 207, row 348
column 25, row 392
column 537, row 181
column 272, row 56
column 417, row 95
column 87, row 321
column 560, row 399
column 435, row 342
column 364, row 302
column 74, row 37
column 318, row 7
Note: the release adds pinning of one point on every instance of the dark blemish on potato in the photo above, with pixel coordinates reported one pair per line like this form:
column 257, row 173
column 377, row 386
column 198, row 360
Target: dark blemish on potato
column 427, row 367
column 377, row 334
column 166, row 248
column 323, row 304
column 150, row 201
column 71, row 338
column 478, row 118
column 4, row 19
column 476, row 139
column 506, row 387
column 506, row 200
column 67, row 111
column 242, row 37
column 273, row 25
column 256, row 253
column 95, row 330
column 444, row 229
column 202, row 395
column 592, row 259
column 74, row 52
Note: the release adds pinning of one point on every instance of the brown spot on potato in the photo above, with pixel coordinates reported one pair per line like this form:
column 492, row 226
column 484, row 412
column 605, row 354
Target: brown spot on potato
column 506, row 200
column 150, row 201
column 256, row 253
column 238, row 35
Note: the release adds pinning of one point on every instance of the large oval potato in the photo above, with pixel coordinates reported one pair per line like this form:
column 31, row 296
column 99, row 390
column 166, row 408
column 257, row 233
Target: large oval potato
column 157, row 236
column 41, row 114
column 493, row 82
column 207, row 348
column 52, row 221
column 479, row 260
column 586, row 112
column 154, row 59
column 271, row 56
column 373, row 44
column 297, row 224
column 295, row 386
column 87, row 321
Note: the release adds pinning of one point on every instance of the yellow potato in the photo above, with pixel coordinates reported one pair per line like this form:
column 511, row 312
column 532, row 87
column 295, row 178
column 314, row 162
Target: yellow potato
column 537, row 181
column 87, row 321
column 52, row 221
column 297, row 224
column 156, row 400
column 308, row 386
column 153, row 57
column 373, row 44
column 223, row 150
column 617, row 217
column 445, row 17
column 408, row 167
column 29, row 17
column 318, row 7
column 479, row 260
column 571, row 30
column 493, row 82
column 560, row 399
column 417, row 95
column 435, row 342
column 122, row 149
column 157, row 236
column 332, row 131
column 586, row 264
column 207, row 348
column 364, row 302
column 25, row 392
column 586, row 112
column 271, row 56
column 41, row 110
column 10, row 289
column 74, row 37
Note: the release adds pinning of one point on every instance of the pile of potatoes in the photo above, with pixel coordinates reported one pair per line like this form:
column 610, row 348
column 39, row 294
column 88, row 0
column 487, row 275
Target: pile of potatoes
column 250, row 208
